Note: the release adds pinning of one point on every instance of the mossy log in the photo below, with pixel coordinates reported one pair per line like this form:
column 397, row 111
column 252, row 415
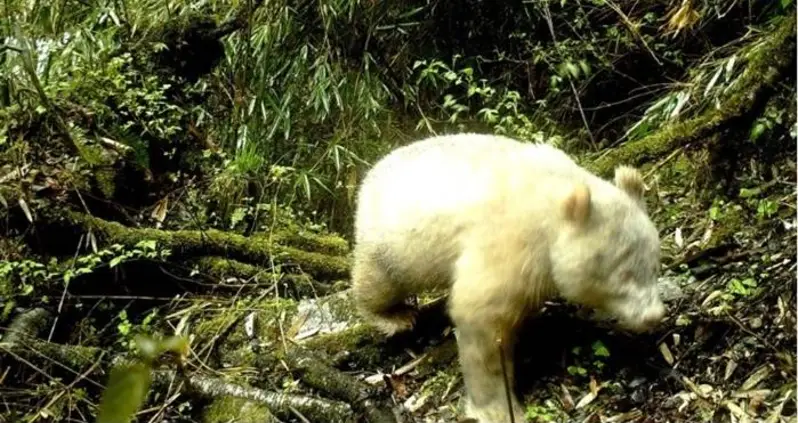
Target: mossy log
column 282, row 405
column 21, row 341
column 292, row 285
column 314, row 371
column 187, row 244
column 229, row 409
column 765, row 68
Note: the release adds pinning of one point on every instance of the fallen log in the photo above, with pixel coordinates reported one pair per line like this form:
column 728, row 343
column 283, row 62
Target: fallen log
column 280, row 404
column 186, row 244
column 293, row 285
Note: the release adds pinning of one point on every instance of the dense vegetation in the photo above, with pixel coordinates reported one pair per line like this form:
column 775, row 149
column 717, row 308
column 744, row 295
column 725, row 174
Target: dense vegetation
column 189, row 168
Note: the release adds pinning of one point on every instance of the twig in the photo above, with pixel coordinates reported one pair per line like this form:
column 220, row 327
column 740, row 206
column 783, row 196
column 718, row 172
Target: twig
column 748, row 331
column 632, row 28
column 116, row 145
column 507, row 392
column 64, row 292
column 662, row 162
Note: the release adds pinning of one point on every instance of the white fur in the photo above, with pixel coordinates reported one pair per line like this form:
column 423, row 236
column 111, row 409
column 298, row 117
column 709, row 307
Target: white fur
column 505, row 225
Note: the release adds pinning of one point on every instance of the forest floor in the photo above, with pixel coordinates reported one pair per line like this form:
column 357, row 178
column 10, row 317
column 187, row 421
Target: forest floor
column 726, row 351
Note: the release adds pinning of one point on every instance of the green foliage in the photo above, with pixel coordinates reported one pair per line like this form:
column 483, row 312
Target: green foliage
column 129, row 331
column 130, row 381
column 711, row 84
column 324, row 89
column 584, row 364
column 600, row 350
column 742, row 288
column 548, row 412
column 501, row 109
column 764, row 208
column 773, row 118
column 29, row 278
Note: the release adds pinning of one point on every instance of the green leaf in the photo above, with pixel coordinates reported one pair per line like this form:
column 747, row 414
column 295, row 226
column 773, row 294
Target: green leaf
column 147, row 244
column 115, row 261
column 125, row 393
column 585, row 67
column 576, row 370
column 306, row 185
column 600, row 350
column 572, row 69
column 337, row 158
column 749, row 192
column 757, row 131
column 713, row 80
column 238, row 215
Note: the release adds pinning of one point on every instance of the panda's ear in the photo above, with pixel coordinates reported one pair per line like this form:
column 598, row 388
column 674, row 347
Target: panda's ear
column 630, row 181
column 577, row 205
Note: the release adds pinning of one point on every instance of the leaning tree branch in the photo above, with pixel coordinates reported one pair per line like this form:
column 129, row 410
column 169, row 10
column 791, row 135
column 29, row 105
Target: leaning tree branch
column 194, row 243
column 764, row 70
column 21, row 341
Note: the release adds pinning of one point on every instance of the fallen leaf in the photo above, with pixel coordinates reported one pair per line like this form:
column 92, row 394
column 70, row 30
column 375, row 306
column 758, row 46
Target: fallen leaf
column 399, row 388
column 567, row 399
column 756, row 393
column 249, row 325
column 594, row 388
column 711, row 296
column 585, row 400
column 736, row 410
column 666, row 353
column 677, row 238
column 701, row 391
column 376, row 378
column 731, row 365
column 707, row 235
column 757, row 376
column 159, row 212
column 415, row 402
column 25, row 209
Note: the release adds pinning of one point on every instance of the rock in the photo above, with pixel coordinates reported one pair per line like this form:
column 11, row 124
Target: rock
column 670, row 287
column 330, row 314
